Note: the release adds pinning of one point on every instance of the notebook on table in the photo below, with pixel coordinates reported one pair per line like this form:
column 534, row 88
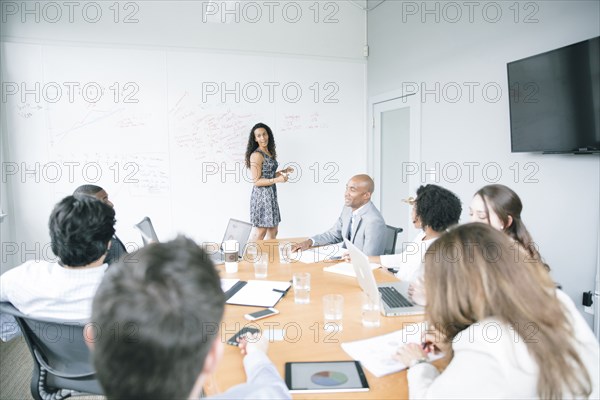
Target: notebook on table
column 255, row 293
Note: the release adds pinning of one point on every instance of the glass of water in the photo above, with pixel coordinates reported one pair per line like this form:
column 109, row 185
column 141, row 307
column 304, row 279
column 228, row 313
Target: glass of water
column 261, row 265
column 333, row 312
column 285, row 252
column 370, row 311
column 301, row 282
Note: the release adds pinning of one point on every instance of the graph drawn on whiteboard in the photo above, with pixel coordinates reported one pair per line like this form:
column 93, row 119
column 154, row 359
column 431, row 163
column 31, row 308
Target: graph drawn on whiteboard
column 90, row 119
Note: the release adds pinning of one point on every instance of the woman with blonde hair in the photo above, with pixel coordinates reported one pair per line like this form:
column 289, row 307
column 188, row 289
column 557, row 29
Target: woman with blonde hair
column 507, row 331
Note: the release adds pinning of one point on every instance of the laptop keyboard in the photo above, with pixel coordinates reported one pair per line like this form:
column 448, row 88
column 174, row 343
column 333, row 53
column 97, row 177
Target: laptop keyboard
column 393, row 298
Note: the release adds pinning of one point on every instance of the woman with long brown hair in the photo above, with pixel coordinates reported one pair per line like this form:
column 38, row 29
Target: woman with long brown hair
column 499, row 206
column 506, row 329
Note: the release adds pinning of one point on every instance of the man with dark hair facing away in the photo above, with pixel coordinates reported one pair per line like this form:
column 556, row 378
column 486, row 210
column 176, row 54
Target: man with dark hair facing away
column 167, row 302
column 117, row 248
column 81, row 229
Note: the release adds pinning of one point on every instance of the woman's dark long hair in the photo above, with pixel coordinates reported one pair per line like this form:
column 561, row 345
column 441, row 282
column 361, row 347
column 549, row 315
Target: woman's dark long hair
column 252, row 145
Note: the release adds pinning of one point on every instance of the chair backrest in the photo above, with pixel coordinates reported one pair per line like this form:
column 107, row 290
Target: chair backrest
column 61, row 359
column 147, row 231
column 391, row 236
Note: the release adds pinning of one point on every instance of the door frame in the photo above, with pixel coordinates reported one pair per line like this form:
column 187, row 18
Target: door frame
column 386, row 102
column 377, row 105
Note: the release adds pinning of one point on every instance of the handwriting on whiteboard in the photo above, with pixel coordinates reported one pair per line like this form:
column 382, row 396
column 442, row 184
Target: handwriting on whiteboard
column 140, row 174
column 293, row 123
column 218, row 134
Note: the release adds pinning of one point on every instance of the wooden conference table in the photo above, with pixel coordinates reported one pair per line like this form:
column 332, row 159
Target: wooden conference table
column 305, row 339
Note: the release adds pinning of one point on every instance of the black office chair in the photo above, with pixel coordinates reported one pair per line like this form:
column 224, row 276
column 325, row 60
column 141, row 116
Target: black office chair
column 62, row 364
column 391, row 236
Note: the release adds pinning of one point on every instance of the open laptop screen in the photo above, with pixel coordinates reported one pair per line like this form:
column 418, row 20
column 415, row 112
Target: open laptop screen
column 238, row 230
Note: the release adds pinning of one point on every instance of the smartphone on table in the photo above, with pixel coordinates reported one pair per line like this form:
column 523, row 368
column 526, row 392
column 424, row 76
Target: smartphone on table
column 267, row 312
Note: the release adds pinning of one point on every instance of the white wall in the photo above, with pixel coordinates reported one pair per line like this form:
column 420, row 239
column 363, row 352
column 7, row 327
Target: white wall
column 301, row 34
column 560, row 193
column 331, row 29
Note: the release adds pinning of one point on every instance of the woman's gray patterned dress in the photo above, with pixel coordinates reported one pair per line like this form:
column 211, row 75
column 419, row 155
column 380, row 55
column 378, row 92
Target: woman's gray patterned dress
column 264, row 209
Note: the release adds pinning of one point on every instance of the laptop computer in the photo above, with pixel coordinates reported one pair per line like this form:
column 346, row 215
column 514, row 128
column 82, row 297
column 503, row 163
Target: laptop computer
column 393, row 296
column 147, row 230
column 236, row 230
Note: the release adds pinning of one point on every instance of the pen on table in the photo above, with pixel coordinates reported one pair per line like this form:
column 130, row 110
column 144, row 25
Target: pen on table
column 283, row 291
column 430, row 347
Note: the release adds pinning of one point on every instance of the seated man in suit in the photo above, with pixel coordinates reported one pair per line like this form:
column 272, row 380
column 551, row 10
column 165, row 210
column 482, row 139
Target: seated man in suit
column 168, row 304
column 81, row 228
column 360, row 221
column 117, row 248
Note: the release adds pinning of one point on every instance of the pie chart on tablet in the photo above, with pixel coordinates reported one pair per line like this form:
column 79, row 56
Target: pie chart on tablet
column 329, row 378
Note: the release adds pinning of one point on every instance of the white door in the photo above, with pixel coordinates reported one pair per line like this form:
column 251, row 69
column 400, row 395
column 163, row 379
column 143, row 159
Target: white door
column 395, row 160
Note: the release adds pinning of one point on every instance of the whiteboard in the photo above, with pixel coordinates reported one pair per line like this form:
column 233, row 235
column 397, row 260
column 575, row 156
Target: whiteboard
column 165, row 132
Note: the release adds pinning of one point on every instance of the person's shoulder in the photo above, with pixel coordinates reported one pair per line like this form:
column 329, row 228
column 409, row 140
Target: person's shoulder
column 346, row 210
column 564, row 298
column 28, row 271
column 371, row 211
column 33, row 265
column 483, row 333
column 257, row 155
column 580, row 326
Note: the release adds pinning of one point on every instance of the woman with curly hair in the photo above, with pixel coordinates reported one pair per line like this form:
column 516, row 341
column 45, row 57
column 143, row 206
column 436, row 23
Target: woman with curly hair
column 261, row 159
column 434, row 211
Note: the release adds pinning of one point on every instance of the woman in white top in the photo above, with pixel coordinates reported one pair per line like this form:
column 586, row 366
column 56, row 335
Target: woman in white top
column 434, row 210
column 507, row 331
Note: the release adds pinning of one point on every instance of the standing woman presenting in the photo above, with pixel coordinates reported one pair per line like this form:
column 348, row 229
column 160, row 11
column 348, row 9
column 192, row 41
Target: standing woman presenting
column 261, row 158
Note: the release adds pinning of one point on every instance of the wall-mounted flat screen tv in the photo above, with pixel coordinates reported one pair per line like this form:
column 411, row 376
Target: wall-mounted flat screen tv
column 554, row 100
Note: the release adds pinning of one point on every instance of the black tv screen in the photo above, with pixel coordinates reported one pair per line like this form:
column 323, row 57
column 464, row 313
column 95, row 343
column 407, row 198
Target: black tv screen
column 554, row 100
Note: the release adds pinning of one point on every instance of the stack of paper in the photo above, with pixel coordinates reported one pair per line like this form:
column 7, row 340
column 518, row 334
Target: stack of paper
column 323, row 253
column 377, row 354
column 345, row 268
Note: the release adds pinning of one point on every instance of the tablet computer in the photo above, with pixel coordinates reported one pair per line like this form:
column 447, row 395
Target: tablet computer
column 325, row 377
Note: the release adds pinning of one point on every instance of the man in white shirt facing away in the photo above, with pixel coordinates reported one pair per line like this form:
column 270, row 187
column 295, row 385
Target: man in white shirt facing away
column 117, row 248
column 81, row 228
column 166, row 303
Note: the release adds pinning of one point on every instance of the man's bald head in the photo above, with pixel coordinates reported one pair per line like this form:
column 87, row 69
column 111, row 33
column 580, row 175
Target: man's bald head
column 358, row 191
column 365, row 181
